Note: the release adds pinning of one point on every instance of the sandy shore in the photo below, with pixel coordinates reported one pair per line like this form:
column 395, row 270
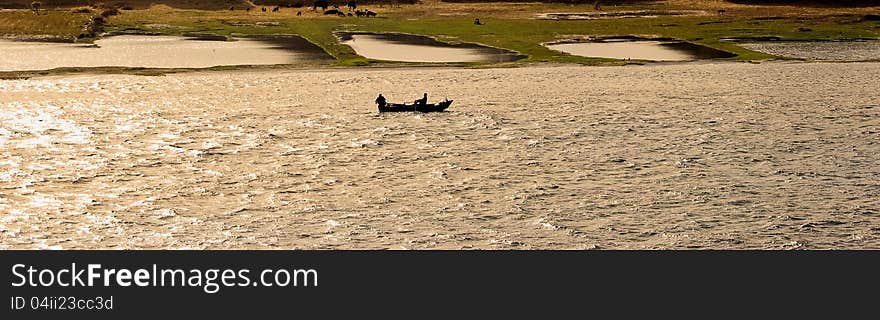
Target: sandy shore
column 729, row 155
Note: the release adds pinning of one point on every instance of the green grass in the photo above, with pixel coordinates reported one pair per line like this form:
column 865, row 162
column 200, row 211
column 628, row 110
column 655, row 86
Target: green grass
column 57, row 23
column 526, row 35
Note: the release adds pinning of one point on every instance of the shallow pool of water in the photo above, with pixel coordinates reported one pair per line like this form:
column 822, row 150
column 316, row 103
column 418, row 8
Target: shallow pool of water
column 617, row 14
column 413, row 48
column 654, row 50
column 820, row 50
column 156, row 52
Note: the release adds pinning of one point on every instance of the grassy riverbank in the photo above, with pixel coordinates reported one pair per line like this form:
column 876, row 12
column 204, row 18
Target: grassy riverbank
column 51, row 23
column 509, row 25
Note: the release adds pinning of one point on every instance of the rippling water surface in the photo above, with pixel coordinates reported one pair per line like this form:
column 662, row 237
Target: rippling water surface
column 774, row 155
column 821, row 50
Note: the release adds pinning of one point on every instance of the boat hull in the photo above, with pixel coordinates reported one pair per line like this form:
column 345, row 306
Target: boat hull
column 401, row 107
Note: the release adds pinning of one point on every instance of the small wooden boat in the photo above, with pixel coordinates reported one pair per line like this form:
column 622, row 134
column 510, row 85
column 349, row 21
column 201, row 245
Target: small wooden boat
column 402, row 107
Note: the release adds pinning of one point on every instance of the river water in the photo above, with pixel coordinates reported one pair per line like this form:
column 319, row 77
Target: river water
column 820, row 50
column 716, row 155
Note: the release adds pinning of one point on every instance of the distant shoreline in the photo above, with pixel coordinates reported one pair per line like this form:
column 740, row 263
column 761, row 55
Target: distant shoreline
column 514, row 27
column 123, row 71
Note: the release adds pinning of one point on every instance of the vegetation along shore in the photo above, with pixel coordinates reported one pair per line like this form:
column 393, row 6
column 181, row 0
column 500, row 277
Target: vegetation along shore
column 522, row 27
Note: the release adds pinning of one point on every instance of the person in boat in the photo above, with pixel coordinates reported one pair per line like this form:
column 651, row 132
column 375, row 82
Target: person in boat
column 423, row 101
column 380, row 100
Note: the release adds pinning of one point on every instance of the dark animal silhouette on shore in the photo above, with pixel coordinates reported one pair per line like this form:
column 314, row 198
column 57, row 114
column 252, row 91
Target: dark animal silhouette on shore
column 351, row 5
column 264, row 9
column 276, row 9
column 299, row 13
column 323, row 4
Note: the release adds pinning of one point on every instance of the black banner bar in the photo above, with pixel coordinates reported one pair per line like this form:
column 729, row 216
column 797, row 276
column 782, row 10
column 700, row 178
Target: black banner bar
column 414, row 284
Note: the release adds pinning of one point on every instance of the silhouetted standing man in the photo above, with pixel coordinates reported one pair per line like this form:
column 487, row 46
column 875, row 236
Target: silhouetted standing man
column 380, row 100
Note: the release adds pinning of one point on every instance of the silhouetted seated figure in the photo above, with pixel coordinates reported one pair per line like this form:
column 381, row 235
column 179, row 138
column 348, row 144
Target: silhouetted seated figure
column 423, row 101
column 477, row 21
column 380, row 101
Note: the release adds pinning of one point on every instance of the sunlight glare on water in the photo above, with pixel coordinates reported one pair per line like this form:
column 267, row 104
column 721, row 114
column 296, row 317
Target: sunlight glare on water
column 561, row 157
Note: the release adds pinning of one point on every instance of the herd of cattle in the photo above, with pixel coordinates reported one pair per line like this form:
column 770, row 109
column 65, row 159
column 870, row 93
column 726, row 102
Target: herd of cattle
column 324, row 5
